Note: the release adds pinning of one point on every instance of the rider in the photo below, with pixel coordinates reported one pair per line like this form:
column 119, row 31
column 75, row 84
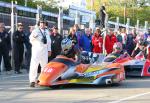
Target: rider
column 117, row 52
column 69, row 49
column 117, row 49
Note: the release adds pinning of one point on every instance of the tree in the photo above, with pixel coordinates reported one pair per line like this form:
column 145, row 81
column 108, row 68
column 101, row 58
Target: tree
column 115, row 8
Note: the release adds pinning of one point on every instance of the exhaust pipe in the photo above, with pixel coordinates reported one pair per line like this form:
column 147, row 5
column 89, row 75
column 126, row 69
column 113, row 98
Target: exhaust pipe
column 108, row 81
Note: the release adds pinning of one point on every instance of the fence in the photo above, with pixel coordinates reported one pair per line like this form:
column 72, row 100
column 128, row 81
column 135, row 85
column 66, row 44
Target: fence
column 116, row 25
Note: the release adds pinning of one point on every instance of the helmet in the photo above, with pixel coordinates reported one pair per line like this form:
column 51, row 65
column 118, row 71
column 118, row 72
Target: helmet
column 85, row 59
column 66, row 45
column 117, row 47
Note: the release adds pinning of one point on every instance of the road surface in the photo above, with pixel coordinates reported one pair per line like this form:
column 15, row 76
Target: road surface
column 15, row 88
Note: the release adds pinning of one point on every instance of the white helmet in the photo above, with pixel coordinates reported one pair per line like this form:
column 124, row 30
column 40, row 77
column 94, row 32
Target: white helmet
column 117, row 47
column 66, row 45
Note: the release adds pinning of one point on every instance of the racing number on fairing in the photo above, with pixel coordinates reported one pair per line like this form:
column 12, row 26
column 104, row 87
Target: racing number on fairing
column 47, row 70
column 121, row 75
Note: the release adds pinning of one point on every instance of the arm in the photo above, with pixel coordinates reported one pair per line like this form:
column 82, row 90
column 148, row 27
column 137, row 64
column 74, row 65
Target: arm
column 33, row 36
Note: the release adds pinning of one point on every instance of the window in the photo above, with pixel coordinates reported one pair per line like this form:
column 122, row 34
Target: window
column 20, row 12
column 32, row 15
column 7, row 10
column 1, row 9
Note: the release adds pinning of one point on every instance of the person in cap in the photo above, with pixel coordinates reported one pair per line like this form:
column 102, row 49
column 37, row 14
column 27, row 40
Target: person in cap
column 5, row 47
column 18, row 40
column 41, row 49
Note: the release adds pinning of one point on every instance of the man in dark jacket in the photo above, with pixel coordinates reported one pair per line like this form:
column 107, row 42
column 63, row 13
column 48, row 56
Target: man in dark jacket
column 5, row 46
column 56, row 39
column 103, row 15
column 28, row 49
column 18, row 40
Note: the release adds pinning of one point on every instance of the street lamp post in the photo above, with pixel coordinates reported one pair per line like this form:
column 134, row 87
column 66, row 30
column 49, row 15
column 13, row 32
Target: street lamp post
column 12, row 31
column 117, row 23
column 60, row 20
column 16, row 16
column 124, row 13
column 25, row 2
column 39, row 13
column 77, row 18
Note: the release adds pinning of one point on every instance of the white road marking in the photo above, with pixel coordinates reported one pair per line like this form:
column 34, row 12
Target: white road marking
column 23, row 88
column 15, row 76
column 128, row 98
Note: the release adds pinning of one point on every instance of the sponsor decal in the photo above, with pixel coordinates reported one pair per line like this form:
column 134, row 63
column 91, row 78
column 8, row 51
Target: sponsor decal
column 48, row 70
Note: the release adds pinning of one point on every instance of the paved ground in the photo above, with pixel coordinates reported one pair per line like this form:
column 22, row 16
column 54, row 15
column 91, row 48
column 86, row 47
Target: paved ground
column 15, row 89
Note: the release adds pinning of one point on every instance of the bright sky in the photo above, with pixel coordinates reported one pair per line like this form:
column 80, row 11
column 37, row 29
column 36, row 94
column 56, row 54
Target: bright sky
column 81, row 3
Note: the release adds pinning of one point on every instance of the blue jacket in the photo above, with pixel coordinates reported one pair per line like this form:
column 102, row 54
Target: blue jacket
column 86, row 43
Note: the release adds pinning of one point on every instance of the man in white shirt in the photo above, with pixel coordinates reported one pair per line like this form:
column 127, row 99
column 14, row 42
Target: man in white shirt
column 41, row 49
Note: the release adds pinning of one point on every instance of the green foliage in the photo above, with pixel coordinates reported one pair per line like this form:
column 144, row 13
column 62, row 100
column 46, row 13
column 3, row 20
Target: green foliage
column 115, row 8
column 134, row 13
column 32, row 4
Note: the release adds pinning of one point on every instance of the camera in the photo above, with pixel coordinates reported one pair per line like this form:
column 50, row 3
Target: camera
column 44, row 40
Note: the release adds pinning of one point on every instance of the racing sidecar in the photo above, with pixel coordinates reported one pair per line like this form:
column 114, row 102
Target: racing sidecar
column 63, row 70
column 138, row 66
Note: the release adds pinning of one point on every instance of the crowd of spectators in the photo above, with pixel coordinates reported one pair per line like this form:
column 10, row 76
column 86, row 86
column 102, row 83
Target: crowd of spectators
column 98, row 41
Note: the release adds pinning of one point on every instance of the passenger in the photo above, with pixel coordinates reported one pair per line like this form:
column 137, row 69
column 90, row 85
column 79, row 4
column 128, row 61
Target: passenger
column 117, row 49
column 117, row 53
column 140, row 46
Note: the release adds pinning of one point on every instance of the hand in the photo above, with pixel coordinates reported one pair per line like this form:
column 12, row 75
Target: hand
column 137, row 46
column 49, row 53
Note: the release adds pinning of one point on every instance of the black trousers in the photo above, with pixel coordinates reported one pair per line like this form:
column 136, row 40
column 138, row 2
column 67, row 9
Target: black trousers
column 102, row 22
column 18, row 56
column 4, row 52
column 27, row 59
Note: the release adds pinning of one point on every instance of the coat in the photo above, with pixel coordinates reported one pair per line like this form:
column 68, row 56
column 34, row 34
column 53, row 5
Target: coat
column 86, row 43
column 109, row 42
column 97, row 42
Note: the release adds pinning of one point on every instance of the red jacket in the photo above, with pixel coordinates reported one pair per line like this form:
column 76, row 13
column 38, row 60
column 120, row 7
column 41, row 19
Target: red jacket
column 97, row 42
column 109, row 42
